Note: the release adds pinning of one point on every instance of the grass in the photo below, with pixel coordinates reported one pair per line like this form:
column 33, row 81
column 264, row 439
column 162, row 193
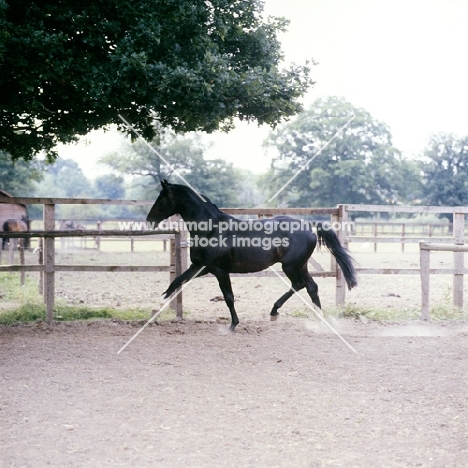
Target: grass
column 33, row 311
column 443, row 311
column 31, row 306
column 30, row 312
column 12, row 291
column 437, row 312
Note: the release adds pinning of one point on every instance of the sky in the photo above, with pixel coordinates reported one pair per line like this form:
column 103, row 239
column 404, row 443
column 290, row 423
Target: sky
column 404, row 61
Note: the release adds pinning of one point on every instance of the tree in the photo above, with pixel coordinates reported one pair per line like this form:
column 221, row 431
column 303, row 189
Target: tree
column 109, row 186
column 69, row 67
column 215, row 178
column 355, row 165
column 64, row 179
column 445, row 171
column 19, row 177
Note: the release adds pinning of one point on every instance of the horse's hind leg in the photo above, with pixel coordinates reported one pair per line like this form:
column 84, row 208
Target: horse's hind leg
column 224, row 282
column 297, row 282
column 279, row 303
column 311, row 286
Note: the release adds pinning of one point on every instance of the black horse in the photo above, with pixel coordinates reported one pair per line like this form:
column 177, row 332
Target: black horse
column 221, row 244
column 16, row 225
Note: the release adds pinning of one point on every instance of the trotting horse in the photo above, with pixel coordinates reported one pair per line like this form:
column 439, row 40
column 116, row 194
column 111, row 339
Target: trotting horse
column 221, row 244
column 16, row 225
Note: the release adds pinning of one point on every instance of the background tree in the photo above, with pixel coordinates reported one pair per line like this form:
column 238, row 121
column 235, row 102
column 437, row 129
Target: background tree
column 445, row 171
column 69, row 67
column 215, row 178
column 19, row 177
column 359, row 165
column 65, row 179
column 109, row 186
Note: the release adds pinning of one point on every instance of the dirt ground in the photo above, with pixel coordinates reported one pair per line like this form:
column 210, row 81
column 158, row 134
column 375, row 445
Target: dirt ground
column 288, row 393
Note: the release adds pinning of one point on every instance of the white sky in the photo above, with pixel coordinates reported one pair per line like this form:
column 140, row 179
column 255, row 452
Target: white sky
column 404, row 61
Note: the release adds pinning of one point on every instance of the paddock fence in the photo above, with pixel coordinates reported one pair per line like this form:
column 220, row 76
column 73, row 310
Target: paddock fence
column 179, row 243
column 453, row 243
column 47, row 266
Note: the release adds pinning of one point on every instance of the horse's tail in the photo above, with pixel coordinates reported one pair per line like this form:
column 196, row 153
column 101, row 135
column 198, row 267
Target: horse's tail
column 343, row 258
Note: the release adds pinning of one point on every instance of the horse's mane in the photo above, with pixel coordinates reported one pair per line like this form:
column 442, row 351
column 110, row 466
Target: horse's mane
column 192, row 192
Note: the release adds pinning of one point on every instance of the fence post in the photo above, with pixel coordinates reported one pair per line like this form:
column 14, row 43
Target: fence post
column 49, row 257
column 184, row 249
column 11, row 251
column 340, row 280
column 375, row 230
column 403, row 233
column 175, row 271
column 41, row 262
column 97, row 240
column 21, row 256
column 458, row 259
column 424, row 264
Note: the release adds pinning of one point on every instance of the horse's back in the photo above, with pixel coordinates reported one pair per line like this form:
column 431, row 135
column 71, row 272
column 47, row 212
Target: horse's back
column 15, row 225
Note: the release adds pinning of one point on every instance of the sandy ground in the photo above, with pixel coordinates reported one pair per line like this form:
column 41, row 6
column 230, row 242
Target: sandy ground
column 288, row 393
column 274, row 394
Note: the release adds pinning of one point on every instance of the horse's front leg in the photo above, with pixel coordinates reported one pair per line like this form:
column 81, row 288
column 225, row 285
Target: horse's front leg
column 187, row 275
column 224, row 282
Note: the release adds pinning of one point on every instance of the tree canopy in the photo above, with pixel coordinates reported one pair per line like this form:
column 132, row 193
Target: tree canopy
column 355, row 165
column 19, row 177
column 445, row 171
column 215, row 178
column 65, row 179
column 69, row 67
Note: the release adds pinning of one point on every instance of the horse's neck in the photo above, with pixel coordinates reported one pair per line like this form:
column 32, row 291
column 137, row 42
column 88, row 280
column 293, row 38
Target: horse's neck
column 203, row 213
column 200, row 212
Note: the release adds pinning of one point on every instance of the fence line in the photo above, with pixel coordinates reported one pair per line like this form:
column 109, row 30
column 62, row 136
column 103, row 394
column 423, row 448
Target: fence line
column 179, row 243
column 49, row 267
column 458, row 239
column 404, row 235
column 458, row 272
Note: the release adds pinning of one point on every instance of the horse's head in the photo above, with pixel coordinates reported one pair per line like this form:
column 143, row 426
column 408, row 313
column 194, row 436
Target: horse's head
column 165, row 205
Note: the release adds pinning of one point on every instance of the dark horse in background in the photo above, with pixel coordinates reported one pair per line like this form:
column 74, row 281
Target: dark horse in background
column 215, row 248
column 16, row 225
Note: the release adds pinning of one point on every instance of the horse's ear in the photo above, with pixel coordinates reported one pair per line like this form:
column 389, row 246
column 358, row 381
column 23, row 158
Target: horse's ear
column 164, row 184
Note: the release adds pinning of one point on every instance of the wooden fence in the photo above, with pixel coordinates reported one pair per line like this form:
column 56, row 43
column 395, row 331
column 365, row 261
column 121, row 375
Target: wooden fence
column 179, row 244
column 425, row 250
column 401, row 229
column 49, row 234
column 453, row 243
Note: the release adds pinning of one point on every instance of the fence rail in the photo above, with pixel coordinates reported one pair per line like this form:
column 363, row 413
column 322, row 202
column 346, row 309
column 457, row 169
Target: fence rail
column 458, row 272
column 179, row 244
column 49, row 267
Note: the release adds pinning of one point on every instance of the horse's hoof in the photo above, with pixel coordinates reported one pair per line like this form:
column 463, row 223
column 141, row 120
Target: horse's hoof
column 273, row 318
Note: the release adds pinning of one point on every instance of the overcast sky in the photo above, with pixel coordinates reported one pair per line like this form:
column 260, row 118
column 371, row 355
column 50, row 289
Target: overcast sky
column 403, row 61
